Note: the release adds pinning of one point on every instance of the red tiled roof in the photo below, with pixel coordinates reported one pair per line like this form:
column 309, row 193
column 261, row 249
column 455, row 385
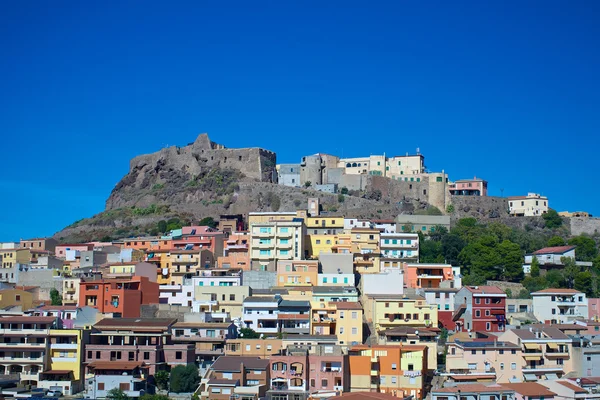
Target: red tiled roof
column 473, row 388
column 529, row 389
column 485, row 289
column 367, row 396
column 471, row 377
column 346, row 305
column 557, row 291
column 572, row 386
column 554, row 250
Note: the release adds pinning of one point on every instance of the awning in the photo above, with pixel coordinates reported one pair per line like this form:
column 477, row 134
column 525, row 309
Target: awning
column 533, row 358
column 553, row 346
column 532, row 346
column 530, row 377
column 551, row 377
column 457, row 364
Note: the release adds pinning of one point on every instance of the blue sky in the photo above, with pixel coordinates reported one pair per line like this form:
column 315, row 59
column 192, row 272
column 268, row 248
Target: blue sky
column 508, row 91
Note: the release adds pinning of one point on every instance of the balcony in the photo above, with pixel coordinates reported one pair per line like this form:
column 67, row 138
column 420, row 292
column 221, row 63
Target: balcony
column 542, row 369
column 300, row 330
column 20, row 359
column 183, row 272
column 289, row 233
column 198, row 338
column 32, row 346
column 64, row 346
column 25, row 332
column 179, row 262
column 70, row 290
column 324, row 320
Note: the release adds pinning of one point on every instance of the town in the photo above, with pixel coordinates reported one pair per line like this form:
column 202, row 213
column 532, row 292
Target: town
column 310, row 304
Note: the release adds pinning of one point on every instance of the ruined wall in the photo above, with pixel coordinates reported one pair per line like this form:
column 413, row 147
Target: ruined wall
column 590, row 226
column 479, row 206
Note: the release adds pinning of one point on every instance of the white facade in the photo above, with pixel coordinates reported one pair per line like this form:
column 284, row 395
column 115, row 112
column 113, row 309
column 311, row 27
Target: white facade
column 206, row 279
column 399, row 245
column 386, row 227
column 559, row 306
column 277, row 240
column 261, row 314
column 336, row 280
column 351, row 223
column 390, row 282
column 444, row 299
column 529, row 206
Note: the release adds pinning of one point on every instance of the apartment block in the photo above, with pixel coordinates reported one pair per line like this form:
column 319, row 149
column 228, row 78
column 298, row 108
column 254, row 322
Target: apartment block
column 232, row 376
column 208, row 338
column 65, row 361
column 236, row 252
column 443, row 298
column 297, row 272
column 324, row 225
column 397, row 370
column 48, row 244
column 528, row 206
column 468, row 187
column 342, row 319
column 120, row 297
column 431, row 275
column 390, row 311
column 261, row 348
column 559, row 306
column 365, row 247
column 70, row 292
column 408, row 335
column 276, row 240
column 404, row 246
column 480, row 308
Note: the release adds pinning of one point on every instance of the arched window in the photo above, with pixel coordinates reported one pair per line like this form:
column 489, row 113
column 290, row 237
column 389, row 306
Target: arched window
column 296, row 382
column 348, row 165
column 354, row 164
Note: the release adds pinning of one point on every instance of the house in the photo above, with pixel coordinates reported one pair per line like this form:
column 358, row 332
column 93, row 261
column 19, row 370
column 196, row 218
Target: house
column 48, row 244
column 408, row 335
column 324, row 226
column 262, row 348
column 443, row 298
column 260, row 314
column 247, row 377
column 483, row 360
column 128, row 376
column 288, row 174
column 65, row 362
column 208, row 338
column 547, row 352
column 365, row 247
column 336, row 270
column 17, row 297
column 121, row 297
column 567, row 389
column 422, row 223
column 530, row 391
column 559, row 306
column 146, row 342
column 342, row 319
column 403, row 246
column 66, row 314
column 385, row 282
column 480, row 308
column 236, row 255
column 468, row 187
column 231, row 223
column 399, row 370
column 390, row 311
column 430, row 275
column 298, row 372
column 297, row 272
column 549, row 258
column 70, row 292
column 529, row 206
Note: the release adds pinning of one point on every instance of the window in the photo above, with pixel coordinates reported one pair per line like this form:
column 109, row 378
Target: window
column 341, row 315
column 100, row 385
column 324, row 279
column 394, row 379
column 354, row 315
column 324, row 382
column 487, row 301
column 355, row 331
column 513, row 366
column 411, row 367
column 477, row 300
column 472, row 365
column 487, row 313
column 560, row 361
column 501, row 351
column 473, row 351
column 89, row 355
column 247, row 347
column 312, row 383
column 488, row 326
column 178, row 355
column 501, row 366
column 394, row 366
column 341, row 329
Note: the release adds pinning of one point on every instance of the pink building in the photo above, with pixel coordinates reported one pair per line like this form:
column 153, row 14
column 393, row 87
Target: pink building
column 148, row 341
column 61, row 249
column 298, row 370
column 593, row 309
column 66, row 314
column 469, row 187
column 421, row 276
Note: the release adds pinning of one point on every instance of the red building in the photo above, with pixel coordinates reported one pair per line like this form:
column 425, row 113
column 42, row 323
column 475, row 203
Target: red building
column 480, row 308
column 121, row 297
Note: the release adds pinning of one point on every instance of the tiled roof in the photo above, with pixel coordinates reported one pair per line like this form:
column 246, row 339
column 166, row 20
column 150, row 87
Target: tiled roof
column 366, row 396
column 572, row 386
column 529, row 389
column 27, row 320
column 346, row 305
column 223, row 382
column 473, row 388
column 554, row 250
column 549, row 332
column 233, row 363
column 135, row 323
column 557, row 291
column 485, row 289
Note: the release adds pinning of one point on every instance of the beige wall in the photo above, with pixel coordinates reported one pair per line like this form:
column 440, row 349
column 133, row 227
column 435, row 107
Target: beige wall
column 233, row 307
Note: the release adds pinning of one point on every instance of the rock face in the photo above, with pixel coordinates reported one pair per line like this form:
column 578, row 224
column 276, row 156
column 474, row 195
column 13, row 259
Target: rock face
column 177, row 167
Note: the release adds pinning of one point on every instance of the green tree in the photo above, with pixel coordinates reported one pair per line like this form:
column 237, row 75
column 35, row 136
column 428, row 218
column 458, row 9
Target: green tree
column 524, row 294
column 341, row 198
column 438, row 232
column 535, row 268
column 452, row 245
column 116, row 394
column 184, row 379
column 450, row 208
column 344, row 190
column 430, row 251
column 307, row 184
column 509, row 293
column 406, row 228
column 249, row 333
column 481, row 258
column 208, row 221
column 570, row 271
column 552, row 219
column 162, row 226
column 162, row 379
column 55, row 297
column 585, row 282
column 512, row 261
column 586, row 248
column 556, row 241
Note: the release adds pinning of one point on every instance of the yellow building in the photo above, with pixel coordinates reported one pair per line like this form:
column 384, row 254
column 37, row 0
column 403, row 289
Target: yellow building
column 390, row 311
column 265, row 217
column 365, row 246
column 224, row 299
column 297, row 272
column 322, row 225
column 299, row 293
column 343, row 319
column 342, row 244
column 65, row 361
column 162, row 261
column 317, row 244
column 275, row 240
column 16, row 297
column 181, row 264
column 8, row 257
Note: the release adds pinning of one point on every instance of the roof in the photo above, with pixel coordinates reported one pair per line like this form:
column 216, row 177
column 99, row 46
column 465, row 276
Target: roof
column 27, row 320
column 58, row 371
column 408, row 330
column 367, row 396
column 233, row 363
column 473, row 388
column 223, row 382
column 429, row 290
column 295, row 303
column 485, row 290
column 58, row 308
column 554, row 250
column 529, row 389
column 260, row 299
column 557, row 291
column 202, row 324
column 135, row 323
column 572, row 386
column 334, row 289
column 115, row 366
column 550, row 332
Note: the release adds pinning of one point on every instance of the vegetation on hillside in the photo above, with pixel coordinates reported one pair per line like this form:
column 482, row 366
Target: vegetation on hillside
column 495, row 251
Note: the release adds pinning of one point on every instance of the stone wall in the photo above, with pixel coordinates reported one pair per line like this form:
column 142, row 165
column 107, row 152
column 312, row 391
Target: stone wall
column 590, row 226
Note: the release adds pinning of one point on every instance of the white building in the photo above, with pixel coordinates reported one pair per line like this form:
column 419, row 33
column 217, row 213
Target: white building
column 399, row 245
column 276, row 240
column 559, row 306
column 529, row 206
column 351, row 223
column 261, row 314
column 442, row 297
column 389, row 282
column 551, row 257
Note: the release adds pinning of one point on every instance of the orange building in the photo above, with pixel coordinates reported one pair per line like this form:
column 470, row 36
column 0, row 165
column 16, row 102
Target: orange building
column 146, row 243
column 235, row 252
column 121, row 297
column 394, row 369
column 297, row 272
column 420, row 276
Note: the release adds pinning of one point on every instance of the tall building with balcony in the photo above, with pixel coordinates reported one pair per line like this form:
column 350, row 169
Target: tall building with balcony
column 301, row 373
column 144, row 341
column 294, row 317
column 365, row 247
column 408, row 335
column 260, row 313
column 431, row 275
column 546, row 352
column 404, row 246
column 70, row 292
column 65, row 362
column 394, row 369
column 480, row 308
column 236, row 377
column 559, row 306
column 208, row 338
column 24, row 346
column 236, row 254
column 342, row 319
column 119, row 297
column 276, row 240
column 390, row 311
